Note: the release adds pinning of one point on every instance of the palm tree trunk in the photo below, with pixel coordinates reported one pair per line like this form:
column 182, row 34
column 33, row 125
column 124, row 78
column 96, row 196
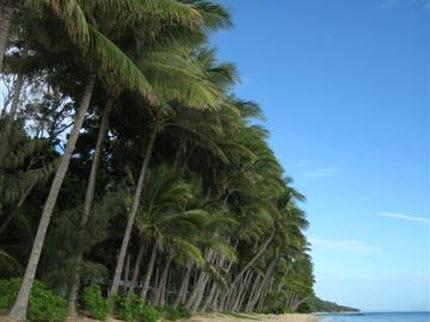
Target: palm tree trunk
column 126, row 272
column 196, row 296
column 213, row 288
column 150, row 269
column 136, row 269
column 160, row 298
column 182, row 294
column 88, row 202
column 155, row 285
column 132, row 214
column 253, row 292
column 267, row 290
column 243, row 288
column 19, row 309
column 6, row 18
column 211, row 297
column 215, row 305
column 254, row 259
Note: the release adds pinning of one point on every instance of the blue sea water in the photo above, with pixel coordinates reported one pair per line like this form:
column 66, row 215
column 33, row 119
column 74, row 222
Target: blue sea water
column 379, row 317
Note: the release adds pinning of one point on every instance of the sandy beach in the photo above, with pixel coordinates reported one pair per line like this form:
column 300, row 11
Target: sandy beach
column 217, row 317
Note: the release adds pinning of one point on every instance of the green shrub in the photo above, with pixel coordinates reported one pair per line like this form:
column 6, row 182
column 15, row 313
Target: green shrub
column 44, row 305
column 135, row 309
column 96, row 304
column 175, row 314
column 8, row 292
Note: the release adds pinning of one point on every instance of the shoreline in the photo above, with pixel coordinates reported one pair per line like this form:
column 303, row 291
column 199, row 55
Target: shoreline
column 248, row 317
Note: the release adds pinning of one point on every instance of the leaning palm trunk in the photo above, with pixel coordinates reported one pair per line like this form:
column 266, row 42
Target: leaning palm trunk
column 182, row 294
column 255, row 258
column 213, row 287
column 242, row 290
column 264, row 293
column 196, row 296
column 150, row 269
column 136, row 269
column 226, row 301
column 254, row 291
column 253, row 300
column 210, row 298
column 6, row 18
column 160, row 295
column 19, row 309
column 89, row 198
column 132, row 215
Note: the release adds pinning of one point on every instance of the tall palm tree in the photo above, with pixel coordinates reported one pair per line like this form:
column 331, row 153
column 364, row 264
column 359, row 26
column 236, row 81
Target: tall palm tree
column 107, row 56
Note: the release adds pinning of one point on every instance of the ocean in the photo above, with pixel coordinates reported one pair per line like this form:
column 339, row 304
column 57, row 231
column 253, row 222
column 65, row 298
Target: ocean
column 379, row 317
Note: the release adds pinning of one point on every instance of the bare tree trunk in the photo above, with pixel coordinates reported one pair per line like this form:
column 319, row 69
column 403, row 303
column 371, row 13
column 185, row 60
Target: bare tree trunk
column 88, row 202
column 19, row 309
column 6, row 18
column 132, row 214
column 182, row 294
column 136, row 269
column 150, row 269
column 160, row 298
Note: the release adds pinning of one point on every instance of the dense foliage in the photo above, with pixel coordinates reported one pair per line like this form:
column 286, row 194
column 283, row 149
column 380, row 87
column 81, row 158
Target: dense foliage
column 315, row 304
column 43, row 304
column 127, row 162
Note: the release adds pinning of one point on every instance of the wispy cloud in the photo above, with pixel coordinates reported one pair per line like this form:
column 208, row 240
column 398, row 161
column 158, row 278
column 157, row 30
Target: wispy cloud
column 320, row 173
column 423, row 220
column 342, row 245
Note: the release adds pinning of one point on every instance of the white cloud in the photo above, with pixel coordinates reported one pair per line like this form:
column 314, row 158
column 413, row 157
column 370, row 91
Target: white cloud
column 320, row 173
column 342, row 245
column 422, row 220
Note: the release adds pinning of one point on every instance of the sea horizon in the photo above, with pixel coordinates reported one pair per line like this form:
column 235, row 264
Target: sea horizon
column 377, row 311
column 387, row 316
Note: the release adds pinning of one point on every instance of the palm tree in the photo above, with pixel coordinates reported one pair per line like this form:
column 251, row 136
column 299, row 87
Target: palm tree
column 163, row 217
column 110, row 57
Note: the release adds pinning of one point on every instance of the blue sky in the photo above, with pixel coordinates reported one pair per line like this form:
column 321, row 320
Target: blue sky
column 345, row 89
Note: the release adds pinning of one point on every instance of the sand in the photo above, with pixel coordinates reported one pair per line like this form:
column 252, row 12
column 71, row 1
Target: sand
column 216, row 317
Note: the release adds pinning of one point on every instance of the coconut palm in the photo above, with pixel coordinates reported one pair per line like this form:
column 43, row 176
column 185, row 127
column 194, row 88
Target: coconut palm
column 109, row 56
